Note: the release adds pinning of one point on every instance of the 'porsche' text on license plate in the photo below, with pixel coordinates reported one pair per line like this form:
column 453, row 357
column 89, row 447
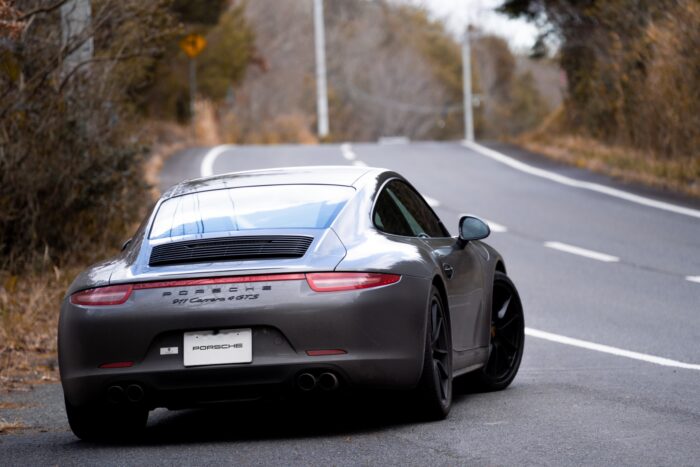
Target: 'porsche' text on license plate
column 210, row 348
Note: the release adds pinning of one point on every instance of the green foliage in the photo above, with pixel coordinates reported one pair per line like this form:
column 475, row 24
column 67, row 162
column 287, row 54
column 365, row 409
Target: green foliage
column 443, row 55
column 632, row 68
column 70, row 154
column 222, row 64
column 206, row 12
column 512, row 103
column 230, row 48
column 527, row 107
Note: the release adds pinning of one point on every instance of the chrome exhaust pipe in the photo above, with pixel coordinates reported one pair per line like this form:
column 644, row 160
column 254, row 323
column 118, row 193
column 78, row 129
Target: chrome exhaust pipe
column 306, row 382
column 134, row 393
column 328, row 381
column 115, row 394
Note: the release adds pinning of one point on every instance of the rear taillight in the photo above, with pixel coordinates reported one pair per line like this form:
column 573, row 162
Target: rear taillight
column 339, row 281
column 110, row 295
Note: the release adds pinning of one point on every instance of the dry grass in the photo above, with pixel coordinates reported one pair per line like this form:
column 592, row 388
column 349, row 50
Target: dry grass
column 29, row 308
column 30, row 301
column 678, row 174
column 7, row 427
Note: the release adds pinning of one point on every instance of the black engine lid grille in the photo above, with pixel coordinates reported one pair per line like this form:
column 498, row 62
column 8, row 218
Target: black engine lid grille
column 230, row 249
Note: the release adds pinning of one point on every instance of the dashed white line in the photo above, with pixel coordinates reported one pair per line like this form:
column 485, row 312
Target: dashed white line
column 387, row 140
column 582, row 252
column 502, row 158
column 348, row 153
column 495, row 227
column 693, row 279
column 609, row 349
column 206, row 169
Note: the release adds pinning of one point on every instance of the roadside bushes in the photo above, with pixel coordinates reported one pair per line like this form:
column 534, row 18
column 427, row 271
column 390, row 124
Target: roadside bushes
column 70, row 153
column 633, row 69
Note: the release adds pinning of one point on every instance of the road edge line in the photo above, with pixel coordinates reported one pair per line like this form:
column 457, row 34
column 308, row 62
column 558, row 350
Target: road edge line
column 614, row 192
column 206, row 168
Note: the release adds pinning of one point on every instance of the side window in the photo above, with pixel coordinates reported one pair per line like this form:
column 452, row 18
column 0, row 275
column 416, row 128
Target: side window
column 388, row 218
column 412, row 215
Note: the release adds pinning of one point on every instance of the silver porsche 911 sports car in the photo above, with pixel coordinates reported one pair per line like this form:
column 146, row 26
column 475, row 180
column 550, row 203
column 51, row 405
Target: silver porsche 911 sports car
column 304, row 280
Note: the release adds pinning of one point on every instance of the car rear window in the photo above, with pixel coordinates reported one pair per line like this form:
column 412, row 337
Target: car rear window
column 249, row 208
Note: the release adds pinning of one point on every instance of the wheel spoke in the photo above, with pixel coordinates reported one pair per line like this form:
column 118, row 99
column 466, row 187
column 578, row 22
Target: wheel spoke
column 436, row 373
column 505, row 339
column 494, row 355
column 438, row 328
column 504, row 308
column 502, row 326
column 439, row 351
column 441, row 369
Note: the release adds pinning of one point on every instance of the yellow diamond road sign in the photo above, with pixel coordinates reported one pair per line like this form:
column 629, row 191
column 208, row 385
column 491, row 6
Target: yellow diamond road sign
column 193, row 44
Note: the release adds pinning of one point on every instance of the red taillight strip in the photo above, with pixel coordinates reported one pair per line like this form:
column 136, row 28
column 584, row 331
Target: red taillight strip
column 324, row 352
column 219, row 280
column 101, row 296
column 343, row 281
column 117, row 365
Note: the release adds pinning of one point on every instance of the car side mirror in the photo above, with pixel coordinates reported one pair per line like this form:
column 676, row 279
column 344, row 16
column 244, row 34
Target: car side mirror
column 472, row 228
column 126, row 244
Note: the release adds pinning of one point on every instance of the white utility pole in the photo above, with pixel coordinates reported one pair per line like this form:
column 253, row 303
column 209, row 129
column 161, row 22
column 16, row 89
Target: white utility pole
column 467, row 86
column 321, row 91
column 76, row 16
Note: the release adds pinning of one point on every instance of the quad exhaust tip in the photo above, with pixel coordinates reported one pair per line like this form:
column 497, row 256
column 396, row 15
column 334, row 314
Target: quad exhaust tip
column 115, row 394
column 328, row 381
column 306, row 382
column 134, row 393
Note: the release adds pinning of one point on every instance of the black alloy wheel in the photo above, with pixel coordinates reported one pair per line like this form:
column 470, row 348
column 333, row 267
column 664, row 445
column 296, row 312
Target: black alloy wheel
column 507, row 337
column 435, row 387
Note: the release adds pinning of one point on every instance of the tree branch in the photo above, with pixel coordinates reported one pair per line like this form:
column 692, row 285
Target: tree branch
column 39, row 10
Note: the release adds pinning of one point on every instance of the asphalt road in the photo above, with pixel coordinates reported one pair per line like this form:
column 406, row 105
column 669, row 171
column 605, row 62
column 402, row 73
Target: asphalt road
column 611, row 372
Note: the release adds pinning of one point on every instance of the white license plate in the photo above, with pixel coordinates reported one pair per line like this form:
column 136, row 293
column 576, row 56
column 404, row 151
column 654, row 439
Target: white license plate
column 218, row 348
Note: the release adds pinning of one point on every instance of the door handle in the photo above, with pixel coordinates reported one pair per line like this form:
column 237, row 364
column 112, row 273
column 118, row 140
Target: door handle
column 449, row 270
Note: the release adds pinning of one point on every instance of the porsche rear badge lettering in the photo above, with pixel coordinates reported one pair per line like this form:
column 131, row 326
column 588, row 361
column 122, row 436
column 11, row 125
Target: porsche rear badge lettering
column 218, row 290
column 217, row 347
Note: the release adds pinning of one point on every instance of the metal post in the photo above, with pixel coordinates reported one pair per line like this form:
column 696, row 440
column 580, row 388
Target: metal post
column 193, row 85
column 467, row 87
column 76, row 16
column 321, row 91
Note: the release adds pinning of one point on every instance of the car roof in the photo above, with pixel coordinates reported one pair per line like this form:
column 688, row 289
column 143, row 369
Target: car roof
column 321, row 175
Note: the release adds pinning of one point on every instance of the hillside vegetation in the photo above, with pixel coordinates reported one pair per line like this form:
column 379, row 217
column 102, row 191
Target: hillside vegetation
column 392, row 71
column 633, row 101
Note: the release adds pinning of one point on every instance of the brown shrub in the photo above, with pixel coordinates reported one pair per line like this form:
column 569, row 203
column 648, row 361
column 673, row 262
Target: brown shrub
column 70, row 156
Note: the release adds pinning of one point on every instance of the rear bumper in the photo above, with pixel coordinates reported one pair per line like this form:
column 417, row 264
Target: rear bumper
column 382, row 330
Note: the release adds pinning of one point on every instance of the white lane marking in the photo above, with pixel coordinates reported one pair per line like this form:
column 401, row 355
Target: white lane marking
column 432, row 202
column 348, row 153
column 609, row 349
column 581, row 252
column 495, row 227
column 498, row 228
column 206, row 169
column 693, row 279
column 359, row 163
column 387, row 140
column 502, row 158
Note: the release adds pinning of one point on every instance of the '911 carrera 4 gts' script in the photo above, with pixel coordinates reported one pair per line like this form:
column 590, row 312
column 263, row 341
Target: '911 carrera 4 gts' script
column 229, row 293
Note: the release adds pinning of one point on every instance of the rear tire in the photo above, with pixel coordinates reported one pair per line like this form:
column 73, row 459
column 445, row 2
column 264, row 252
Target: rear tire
column 507, row 338
column 105, row 423
column 435, row 387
